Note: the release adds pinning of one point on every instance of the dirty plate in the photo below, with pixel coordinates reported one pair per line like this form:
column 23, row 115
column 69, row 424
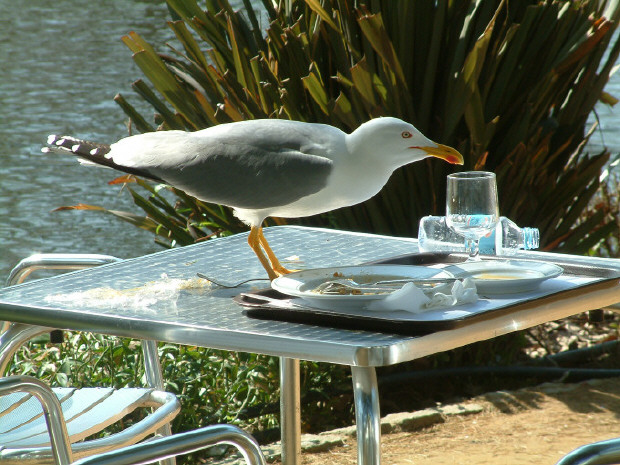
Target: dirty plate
column 304, row 284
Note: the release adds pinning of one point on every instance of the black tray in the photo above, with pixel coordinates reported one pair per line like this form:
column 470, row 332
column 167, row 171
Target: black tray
column 286, row 308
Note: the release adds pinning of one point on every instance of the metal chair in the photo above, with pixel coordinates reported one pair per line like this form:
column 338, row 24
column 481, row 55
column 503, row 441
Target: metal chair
column 182, row 443
column 24, row 425
column 23, row 431
column 145, row 452
column 597, row 453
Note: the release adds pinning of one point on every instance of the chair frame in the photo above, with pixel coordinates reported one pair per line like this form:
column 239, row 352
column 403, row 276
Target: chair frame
column 598, row 453
column 16, row 334
column 56, row 426
column 182, row 443
column 160, row 449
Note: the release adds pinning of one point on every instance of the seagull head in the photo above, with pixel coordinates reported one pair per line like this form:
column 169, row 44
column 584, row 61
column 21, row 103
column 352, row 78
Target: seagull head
column 399, row 143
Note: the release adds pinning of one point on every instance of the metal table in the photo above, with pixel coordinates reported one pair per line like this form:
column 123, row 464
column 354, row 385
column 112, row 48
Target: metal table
column 212, row 319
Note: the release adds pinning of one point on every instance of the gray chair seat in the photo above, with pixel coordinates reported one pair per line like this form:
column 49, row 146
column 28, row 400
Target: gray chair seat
column 24, row 436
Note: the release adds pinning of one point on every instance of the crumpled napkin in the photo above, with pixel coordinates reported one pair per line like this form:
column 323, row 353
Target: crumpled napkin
column 411, row 298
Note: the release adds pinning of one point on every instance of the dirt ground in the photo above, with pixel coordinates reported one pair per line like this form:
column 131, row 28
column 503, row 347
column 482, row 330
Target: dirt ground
column 536, row 425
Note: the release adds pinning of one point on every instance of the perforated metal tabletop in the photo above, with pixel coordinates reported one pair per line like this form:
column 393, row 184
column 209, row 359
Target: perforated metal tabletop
column 211, row 318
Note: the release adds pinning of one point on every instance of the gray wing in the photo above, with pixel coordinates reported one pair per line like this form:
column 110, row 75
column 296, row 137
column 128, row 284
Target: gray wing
column 251, row 166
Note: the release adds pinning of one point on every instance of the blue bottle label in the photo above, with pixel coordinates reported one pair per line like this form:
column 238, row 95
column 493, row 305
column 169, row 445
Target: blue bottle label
column 487, row 244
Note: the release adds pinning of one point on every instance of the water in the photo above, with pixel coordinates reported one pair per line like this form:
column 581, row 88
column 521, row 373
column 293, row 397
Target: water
column 61, row 63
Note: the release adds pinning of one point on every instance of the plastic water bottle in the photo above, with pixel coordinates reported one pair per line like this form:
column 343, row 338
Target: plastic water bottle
column 507, row 238
column 510, row 238
column 434, row 235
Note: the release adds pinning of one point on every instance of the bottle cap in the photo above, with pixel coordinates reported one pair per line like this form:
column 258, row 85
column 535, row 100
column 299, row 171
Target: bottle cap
column 531, row 238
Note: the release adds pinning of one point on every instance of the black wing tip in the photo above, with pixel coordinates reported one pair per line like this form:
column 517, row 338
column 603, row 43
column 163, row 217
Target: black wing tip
column 93, row 152
column 75, row 146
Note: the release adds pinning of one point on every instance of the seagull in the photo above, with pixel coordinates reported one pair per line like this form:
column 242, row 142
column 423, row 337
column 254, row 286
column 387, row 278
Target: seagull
column 268, row 167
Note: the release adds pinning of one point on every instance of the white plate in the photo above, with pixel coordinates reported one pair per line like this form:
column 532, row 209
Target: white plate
column 505, row 276
column 302, row 283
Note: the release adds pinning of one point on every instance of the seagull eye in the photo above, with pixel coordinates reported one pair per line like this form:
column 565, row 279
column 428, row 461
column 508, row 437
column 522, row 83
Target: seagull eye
column 406, row 135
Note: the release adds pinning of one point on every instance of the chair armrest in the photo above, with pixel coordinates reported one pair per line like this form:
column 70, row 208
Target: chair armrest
column 598, row 453
column 59, row 438
column 182, row 443
column 55, row 261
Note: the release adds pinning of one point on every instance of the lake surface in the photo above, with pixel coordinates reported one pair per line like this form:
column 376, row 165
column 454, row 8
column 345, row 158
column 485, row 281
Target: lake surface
column 61, row 63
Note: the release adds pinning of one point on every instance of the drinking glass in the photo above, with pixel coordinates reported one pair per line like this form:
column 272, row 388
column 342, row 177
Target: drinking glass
column 471, row 207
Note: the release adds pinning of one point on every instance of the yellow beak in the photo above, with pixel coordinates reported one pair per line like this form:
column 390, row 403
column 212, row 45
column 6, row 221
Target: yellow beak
column 444, row 152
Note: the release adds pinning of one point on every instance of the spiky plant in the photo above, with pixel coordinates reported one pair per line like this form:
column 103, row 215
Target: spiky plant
column 510, row 84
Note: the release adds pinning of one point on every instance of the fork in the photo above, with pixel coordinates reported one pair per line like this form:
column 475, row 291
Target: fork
column 339, row 285
column 228, row 285
column 352, row 282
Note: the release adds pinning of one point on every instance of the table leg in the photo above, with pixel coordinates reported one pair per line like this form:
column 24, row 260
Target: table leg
column 152, row 365
column 367, row 415
column 290, row 411
column 155, row 379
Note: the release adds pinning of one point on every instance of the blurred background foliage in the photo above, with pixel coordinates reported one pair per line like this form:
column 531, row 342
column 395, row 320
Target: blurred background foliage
column 509, row 84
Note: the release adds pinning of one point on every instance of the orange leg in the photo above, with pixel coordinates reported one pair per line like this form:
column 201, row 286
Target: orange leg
column 275, row 263
column 254, row 240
